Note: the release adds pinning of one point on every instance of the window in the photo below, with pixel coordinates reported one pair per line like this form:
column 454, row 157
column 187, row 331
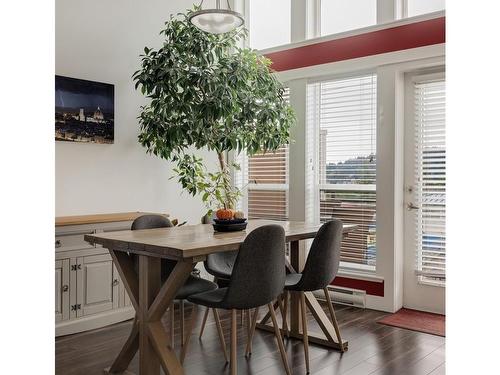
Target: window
column 341, row 15
column 342, row 124
column 430, row 178
column 265, row 176
column 268, row 185
column 269, row 23
column 417, row 7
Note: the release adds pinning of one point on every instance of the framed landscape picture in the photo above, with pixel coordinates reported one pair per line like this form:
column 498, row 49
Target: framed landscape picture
column 85, row 110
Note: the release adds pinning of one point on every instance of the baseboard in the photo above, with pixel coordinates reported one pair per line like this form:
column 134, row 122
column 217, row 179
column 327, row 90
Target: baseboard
column 87, row 323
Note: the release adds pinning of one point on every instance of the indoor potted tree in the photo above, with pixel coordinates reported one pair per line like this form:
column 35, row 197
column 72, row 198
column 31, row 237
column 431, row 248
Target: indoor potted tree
column 206, row 92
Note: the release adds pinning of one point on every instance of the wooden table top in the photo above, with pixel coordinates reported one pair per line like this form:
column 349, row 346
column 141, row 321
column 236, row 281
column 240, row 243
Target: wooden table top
column 193, row 241
column 98, row 218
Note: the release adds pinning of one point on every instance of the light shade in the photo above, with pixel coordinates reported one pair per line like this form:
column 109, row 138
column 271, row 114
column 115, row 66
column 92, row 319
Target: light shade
column 216, row 21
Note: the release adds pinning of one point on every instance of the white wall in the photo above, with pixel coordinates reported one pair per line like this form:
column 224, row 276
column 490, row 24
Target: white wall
column 101, row 41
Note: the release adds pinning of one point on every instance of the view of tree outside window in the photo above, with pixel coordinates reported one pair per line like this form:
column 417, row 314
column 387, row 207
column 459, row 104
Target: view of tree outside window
column 345, row 121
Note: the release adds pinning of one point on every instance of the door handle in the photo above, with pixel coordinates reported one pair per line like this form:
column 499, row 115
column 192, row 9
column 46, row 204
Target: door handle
column 411, row 206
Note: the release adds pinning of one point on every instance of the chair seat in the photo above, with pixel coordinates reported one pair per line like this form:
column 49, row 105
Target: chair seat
column 213, row 298
column 292, row 280
column 195, row 285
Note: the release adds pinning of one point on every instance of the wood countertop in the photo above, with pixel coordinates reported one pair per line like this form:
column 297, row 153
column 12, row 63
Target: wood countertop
column 98, row 218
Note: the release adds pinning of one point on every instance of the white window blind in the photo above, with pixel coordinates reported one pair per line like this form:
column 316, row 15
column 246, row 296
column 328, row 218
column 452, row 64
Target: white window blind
column 344, row 121
column 268, row 185
column 430, row 178
column 266, row 178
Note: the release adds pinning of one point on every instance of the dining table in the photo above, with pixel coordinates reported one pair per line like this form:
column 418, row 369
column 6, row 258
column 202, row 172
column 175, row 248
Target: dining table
column 188, row 245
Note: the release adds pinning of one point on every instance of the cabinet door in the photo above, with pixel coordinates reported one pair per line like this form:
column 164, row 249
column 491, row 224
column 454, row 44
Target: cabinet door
column 97, row 284
column 62, row 290
column 126, row 298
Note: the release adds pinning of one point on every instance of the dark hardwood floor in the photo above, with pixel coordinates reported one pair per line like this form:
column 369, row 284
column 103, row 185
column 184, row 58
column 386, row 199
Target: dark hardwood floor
column 373, row 349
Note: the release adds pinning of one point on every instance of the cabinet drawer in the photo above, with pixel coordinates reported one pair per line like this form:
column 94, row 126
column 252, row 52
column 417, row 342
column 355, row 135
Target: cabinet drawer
column 72, row 241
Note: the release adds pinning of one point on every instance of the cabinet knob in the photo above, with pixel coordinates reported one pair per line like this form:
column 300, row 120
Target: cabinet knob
column 65, row 288
column 115, row 282
column 58, row 243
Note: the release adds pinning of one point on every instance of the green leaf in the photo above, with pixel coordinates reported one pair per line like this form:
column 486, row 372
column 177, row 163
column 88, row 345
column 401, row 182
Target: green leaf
column 203, row 91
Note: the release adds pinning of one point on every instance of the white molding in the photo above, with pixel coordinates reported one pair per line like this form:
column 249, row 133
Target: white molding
column 297, row 152
column 360, row 276
column 100, row 320
column 363, row 30
column 389, row 11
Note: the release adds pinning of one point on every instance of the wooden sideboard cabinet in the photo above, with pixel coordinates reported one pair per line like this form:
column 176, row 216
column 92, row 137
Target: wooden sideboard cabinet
column 89, row 293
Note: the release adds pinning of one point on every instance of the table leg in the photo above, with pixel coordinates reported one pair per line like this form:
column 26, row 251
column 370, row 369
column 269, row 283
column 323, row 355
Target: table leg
column 157, row 336
column 149, row 285
column 128, row 351
column 297, row 262
column 125, row 267
column 150, row 301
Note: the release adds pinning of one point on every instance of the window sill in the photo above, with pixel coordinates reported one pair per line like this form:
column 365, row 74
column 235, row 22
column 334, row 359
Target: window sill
column 439, row 284
column 360, row 275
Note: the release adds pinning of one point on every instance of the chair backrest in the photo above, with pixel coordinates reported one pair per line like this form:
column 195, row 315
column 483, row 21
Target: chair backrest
column 223, row 260
column 153, row 222
column 259, row 271
column 324, row 256
column 215, row 261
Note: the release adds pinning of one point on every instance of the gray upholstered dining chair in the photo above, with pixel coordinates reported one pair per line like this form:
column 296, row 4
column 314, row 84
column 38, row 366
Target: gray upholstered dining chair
column 192, row 285
column 320, row 269
column 220, row 266
column 263, row 254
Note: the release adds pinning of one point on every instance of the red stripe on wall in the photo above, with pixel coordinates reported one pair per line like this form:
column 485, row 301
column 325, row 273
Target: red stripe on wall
column 413, row 35
column 373, row 288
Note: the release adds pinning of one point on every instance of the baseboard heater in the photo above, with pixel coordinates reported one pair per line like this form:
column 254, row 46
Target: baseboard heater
column 344, row 296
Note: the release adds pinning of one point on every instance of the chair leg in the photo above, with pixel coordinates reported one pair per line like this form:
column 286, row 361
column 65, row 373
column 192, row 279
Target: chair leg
column 279, row 338
column 305, row 338
column 182, row 321
column 332, row 314
column 233, row 363
column 280, row 306
column 202, row 329
column 189, row 331
column 248, row 350
column 285, row 313
column 204, row 322
column 171, row 324
column 220, row 333
column 248, row 320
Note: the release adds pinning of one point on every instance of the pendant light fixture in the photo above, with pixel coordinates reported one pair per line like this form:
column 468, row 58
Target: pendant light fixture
column 216, row 21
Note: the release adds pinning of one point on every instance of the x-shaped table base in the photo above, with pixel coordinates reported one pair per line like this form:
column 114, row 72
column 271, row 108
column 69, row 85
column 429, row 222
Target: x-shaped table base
column 150, row 300
column 297, row 260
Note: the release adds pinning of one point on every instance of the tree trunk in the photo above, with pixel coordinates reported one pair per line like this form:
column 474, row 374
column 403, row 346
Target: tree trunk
column 223, row 168
column 222, row 162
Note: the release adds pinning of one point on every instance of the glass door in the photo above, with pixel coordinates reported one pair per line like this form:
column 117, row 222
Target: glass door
column 425, row 193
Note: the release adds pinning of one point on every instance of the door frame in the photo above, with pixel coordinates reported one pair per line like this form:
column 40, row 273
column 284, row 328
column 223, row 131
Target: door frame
column 418, row 294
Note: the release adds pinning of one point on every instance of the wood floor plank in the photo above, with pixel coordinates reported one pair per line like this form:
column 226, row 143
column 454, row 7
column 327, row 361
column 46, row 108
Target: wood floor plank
column 373, row 348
